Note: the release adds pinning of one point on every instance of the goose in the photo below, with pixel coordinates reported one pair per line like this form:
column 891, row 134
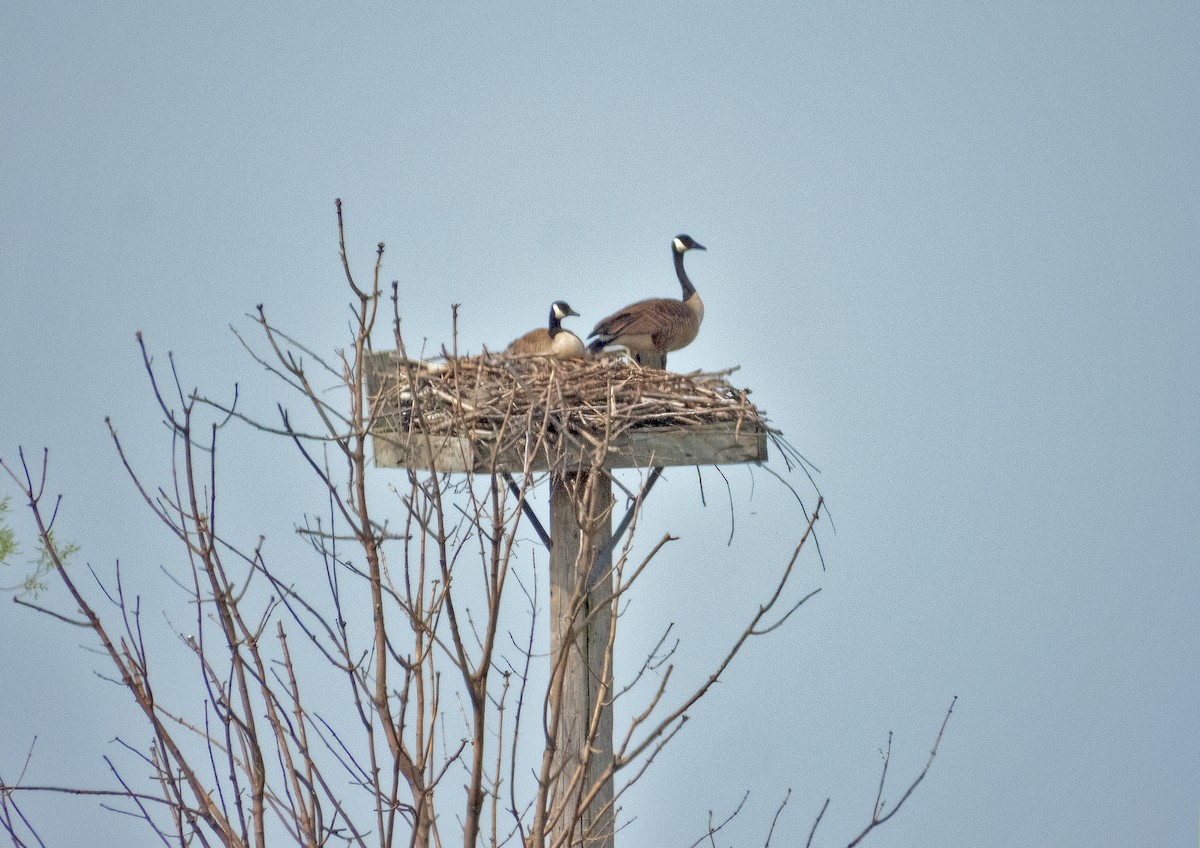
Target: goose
column 550, row 341
column 649, row 329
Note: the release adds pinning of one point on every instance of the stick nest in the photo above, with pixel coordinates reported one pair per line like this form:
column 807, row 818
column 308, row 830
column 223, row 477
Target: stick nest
column 592, row 398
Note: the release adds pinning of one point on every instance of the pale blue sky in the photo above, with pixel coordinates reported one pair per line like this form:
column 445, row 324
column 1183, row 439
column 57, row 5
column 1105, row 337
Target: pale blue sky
column 952, row 246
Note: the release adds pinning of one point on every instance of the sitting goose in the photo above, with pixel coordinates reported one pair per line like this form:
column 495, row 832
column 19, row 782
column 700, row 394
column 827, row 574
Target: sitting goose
column 649, row 329
column 550, row 341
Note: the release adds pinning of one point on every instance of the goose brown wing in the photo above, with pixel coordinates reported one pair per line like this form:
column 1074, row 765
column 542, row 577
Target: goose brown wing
column 659, row 323
column 615, row 324
column 641, row 318
column 675, row 325
column 534, row 342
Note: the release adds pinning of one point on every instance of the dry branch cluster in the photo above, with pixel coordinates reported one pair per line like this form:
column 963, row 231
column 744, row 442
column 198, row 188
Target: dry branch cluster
column 596, row 397
column 395, row 692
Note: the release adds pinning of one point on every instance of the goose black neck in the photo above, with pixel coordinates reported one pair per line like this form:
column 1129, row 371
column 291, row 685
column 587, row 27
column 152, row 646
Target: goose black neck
column 684, row 282
column 555, row 323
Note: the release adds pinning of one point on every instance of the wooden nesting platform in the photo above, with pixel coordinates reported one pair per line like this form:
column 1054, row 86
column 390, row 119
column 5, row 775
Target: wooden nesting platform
column 461, row 414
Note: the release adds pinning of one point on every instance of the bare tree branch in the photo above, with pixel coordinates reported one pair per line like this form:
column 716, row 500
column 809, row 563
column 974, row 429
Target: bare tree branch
column 878, row 817
column 384, row 686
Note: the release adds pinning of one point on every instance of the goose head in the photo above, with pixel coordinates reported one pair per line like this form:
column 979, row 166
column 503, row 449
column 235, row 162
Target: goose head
column 560, row 309
column 684, row 243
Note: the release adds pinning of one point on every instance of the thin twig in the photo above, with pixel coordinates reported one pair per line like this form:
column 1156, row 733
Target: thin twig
column 876, row 818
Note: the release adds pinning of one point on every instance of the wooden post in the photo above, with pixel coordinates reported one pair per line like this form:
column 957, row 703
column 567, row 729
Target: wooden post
column 583, row 631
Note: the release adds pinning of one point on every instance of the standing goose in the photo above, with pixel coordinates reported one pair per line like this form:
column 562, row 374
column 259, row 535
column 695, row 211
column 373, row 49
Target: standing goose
column 649, row 329
column 550, row 341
